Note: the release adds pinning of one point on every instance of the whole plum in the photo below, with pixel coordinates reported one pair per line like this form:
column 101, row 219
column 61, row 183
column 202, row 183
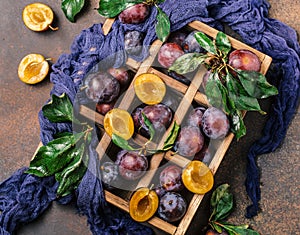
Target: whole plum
column 191, row 45
column 213, row 232
column 170, row 178
column 244, row 60
column 195, row 116
column 103, row 108
column 133, row 41
column 189, row 141
column 160, row 191
column 109, row 173
column 159, row 115
column 101, row 87
column 132, row 165
column 179, row 77
column 177, row 37
column 215, row 123
column 135, row 14
column 172, row 207
column 168, row 53
column 122, row 75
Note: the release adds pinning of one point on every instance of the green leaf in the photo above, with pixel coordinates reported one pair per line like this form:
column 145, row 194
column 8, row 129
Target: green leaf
column 223, row 43
column 239, row 229
column 111, row 8
column 149, row 125
column 71, row 8
column 59, row 109
column 216, row 93
column 163, row 25
column 221, row 202
column 188, row 62
column 238, row 127
column 169, row 142
column 121, row 142
column 71, row 176
column 256, row 84
column 206, row 42
column 242, row 101
column 54, row 156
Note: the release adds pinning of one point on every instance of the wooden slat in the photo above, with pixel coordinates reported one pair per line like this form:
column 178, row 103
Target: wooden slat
column 107, row 25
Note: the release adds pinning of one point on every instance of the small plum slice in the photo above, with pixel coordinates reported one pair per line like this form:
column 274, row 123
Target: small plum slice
column 119, row 122
column 143, row 204
column 244, row 60
column 149, row 88
column 197, row 177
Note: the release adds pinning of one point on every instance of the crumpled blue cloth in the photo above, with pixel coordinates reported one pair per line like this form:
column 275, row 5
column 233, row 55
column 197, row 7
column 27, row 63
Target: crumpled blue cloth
column 24, row 197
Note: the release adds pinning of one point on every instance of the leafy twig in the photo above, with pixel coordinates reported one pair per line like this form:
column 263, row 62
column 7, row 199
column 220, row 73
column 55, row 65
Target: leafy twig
column 222, row 205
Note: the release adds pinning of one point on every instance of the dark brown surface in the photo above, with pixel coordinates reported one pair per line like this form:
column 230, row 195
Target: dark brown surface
column 19, row 128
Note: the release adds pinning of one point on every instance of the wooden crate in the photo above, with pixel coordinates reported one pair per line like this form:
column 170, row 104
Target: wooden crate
column 190, row 94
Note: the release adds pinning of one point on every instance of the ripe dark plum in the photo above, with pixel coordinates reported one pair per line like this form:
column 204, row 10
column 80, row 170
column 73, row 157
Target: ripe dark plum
column 122, row 75
column 101, row 87
column 191, row 45
column 189, row 141
column 109, row 173
column 172, row 207
column 195, row 116
column 205, row 153
column 177, row 37
column 215, row 123
column 168, row 53
column 244, row 60
column 132, row 165
column 135, row 14
column 170, row 178
column 179, row 77
column 133, row 41
column 160, row 191
column 214, row 232
column 159, row 115
column 103, row 108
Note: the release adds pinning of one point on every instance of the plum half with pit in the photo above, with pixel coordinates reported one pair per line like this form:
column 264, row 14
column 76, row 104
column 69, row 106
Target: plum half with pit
column 215, row 123
column 101, row 87
column 132, row 165
column 170, row 178
column 168, row 53
column 245, row 60
column 135, row 14
column 172, row 207
column 189, row 141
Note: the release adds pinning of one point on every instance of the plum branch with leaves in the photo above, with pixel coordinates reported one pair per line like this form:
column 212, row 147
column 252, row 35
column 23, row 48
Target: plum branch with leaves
column 228, row 88
column 112, row 8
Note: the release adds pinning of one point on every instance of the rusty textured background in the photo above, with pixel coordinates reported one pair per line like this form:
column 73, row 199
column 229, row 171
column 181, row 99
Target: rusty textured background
column 19, row 129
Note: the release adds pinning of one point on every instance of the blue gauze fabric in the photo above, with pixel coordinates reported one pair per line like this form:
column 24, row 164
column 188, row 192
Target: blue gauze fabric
column 24, row 197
